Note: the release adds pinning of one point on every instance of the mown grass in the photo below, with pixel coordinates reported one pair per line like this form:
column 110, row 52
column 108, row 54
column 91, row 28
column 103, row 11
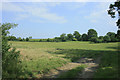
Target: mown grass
column 65, row 45
column 40, row 57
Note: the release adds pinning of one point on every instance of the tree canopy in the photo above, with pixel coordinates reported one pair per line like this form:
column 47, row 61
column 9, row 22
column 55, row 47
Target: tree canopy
column 77, row 35
column 113, row 9
column 92, row 33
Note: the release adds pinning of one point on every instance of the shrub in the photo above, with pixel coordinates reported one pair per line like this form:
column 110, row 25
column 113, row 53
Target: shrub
column 106, row 39
column 48, row 40
column 27, row 39
column 11, row 66
column 40, row 40
column 19, row 39
column 99, row 40
column 74, row 39
column 94, row 39
column 84, row 37
column 57, row 40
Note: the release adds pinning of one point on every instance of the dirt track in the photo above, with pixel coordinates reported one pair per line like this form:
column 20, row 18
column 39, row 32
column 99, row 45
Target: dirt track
column 88, row 72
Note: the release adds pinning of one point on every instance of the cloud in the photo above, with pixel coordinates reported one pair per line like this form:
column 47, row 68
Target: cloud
column 100, row 15
column 58, row 0
column 33, row 10
column 22, row 16
column 75, row 5
column 95, row 16
column 11, row 7
column 45, row 14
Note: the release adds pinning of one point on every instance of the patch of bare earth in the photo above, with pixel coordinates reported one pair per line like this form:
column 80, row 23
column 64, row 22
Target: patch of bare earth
column 54, row 73
column 88, row 72
column 92, row 65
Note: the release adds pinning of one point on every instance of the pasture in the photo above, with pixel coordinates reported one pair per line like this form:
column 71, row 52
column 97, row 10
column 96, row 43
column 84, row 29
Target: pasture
column 39, row 58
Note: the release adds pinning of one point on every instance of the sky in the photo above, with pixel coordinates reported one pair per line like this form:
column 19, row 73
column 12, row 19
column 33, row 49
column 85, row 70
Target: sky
column 51, row 19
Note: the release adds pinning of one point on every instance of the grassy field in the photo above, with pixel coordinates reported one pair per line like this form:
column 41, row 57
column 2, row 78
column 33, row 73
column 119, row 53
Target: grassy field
column 39, row 57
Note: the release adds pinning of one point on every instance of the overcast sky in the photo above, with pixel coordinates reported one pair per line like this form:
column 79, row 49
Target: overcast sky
column 51, row 19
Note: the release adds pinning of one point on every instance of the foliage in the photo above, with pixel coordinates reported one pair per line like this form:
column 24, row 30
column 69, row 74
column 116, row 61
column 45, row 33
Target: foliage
column 112, row 36
column 99, row 40
column 30, row 37
column 50, row 40
column 74, row 39
column 23, row 39
column 84, row 37
column 27, row 39
column 11, row 67
column 69, row 37
column 63, row 37
column 118, row 35
column 77, row 35
column 94, row 39
column 100, row 37
column 11, row 38
column 19, row 39
column 106, row 38
column 113, row 9
column 92, row 33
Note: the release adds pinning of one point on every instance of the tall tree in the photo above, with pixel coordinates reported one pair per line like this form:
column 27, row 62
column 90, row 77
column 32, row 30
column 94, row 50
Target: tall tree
column 113, row 8
column 69, row 37
column 106, row 38
column 92, row 33
column 19, row 39
column 27, row 39
column 112, row 36
column 63, row 37
column 100, row 37
column 12, row 38
column 77, row 35
column 11, row 67
column 84, row 37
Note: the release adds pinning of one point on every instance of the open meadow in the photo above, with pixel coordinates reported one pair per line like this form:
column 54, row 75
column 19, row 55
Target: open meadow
column 39, row 58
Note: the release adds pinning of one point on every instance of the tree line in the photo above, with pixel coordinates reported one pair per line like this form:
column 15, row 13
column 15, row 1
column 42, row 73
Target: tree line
column 13, row 38
column 91, row 35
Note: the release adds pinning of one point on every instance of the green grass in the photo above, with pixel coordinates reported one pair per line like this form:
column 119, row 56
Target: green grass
column 40, row 57
column 73, row 73
column 42, row 65
column 66, row 45
column 109, row 66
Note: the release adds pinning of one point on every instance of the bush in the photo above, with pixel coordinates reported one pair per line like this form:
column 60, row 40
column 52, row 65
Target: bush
column 106, row 39
column 11, row 66
column 19, row 39
column 74, row 39
column 57, row 40
column 94, row 39
column 40, row 40
column 99, row 40
column 27, row 39
column 48, row 40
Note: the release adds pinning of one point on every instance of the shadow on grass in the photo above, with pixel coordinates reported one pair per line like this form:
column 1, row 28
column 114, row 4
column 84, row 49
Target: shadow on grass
column 113, row 48
column 75, row 54
column 108, row 68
